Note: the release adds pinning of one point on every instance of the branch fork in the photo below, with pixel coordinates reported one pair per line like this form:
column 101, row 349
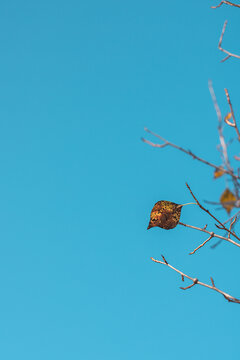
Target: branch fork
column 195, row 281
column 188, row 152
column 229, row 54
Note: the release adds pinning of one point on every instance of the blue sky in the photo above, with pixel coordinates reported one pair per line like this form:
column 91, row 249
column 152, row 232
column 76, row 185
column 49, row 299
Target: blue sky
column 79, row 80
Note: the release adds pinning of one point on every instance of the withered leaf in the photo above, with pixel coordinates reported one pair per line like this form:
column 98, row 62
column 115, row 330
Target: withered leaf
column 228, row 117
column 228, row 200
column 218, row 173
column 165, row 214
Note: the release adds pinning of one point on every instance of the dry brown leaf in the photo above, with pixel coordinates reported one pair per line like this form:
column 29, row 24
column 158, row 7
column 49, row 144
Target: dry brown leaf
column 228, row 200
column 165, row 214
column 218, row 173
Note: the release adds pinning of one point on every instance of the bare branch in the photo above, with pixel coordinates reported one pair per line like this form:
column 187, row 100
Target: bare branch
column 216, row 244
column 227, row 57
column 210, row 237
column 233, row 203
column 210, row 233
column 212, row 281
column 214, row 99
column 220, row 45
column 233, row 124
column 232, row 217
column 154, row 145
column 231, row 225
column 195, row 281
column 164, row 260
column 225, row 2
column 222, row 139
column 188, row 152
column 220, row 127
column 223, row 227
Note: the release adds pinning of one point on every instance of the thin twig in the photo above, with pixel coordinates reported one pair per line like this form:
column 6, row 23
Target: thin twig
column 197, row 248
column 195, row 281
column 210, row 233
column 220, row 45
column 216, row 244
column 222, row 226
column 188, row 152
column 233, row 124
column 220, row 127
column 222, row 139
column 232, row 203
column 225, row 2
column 232, row 217
column 231, row 225
column 212, row 281
column 233, row 220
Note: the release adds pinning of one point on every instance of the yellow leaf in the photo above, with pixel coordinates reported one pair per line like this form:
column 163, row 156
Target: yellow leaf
column 218, row 173
column 228, row 200
column 228, row 116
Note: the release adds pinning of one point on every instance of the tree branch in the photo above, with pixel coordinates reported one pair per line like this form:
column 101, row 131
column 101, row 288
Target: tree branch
column 220, row 45
column 197, row 248
column 212, row 235
column 231, row 225
column 232, row 217
column 188, row 152
column 233, row 124
column 221, row 136
column 222, row 226
column 225, row 2
column 220, row 126
column 195, row 281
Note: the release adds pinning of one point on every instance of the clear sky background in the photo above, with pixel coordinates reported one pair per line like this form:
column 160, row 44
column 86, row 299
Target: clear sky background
column 79, row 80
